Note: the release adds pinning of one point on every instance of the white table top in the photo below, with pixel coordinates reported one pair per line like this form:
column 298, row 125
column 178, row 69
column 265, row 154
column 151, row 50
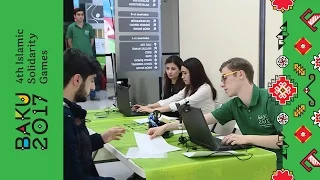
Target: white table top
column 128, row 162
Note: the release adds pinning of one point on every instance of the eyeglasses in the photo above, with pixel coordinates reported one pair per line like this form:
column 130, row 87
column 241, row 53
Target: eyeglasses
column 224, row 76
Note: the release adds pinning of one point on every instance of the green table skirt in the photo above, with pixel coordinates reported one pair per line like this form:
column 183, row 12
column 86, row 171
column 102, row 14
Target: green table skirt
column 177, row 166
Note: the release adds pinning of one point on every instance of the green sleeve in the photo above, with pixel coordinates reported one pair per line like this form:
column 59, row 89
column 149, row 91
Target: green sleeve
column 273, row 111
column 224, row 114
column 91, row 33
column 69, row 33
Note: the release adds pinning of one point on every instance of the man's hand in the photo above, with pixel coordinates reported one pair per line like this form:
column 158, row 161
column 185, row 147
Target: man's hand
column 145, row 109
column 156, row 131
column 234, row 139
column 113, row 134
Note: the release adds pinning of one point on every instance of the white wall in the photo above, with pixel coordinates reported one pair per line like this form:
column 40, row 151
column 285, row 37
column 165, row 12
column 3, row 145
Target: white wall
column 215, row 31
column 170, row 26
column 273, row 23
column 109, row 68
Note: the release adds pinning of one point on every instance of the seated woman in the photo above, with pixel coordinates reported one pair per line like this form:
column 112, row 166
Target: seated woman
column 199, row 91
column 173, row 82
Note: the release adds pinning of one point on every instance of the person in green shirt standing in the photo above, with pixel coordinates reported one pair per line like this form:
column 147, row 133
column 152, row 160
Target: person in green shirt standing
column 80, row 35
column 253, row 109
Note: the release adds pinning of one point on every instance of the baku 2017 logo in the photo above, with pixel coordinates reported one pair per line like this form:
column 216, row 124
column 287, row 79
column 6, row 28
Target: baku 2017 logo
column 36, row 105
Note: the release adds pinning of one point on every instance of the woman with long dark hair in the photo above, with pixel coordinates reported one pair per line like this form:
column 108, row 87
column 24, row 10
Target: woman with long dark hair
column 199, row 91
column 173, row 82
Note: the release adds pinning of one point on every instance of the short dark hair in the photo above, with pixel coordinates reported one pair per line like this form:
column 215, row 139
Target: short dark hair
column 77, row 62
column 237, row 64
column 198, row 77
column 77, row 10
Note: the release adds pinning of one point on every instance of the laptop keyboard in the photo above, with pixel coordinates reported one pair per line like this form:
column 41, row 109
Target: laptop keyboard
column 228, row 147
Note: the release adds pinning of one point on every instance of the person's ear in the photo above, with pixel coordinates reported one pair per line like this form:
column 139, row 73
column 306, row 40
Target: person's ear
column 77, row 79
column 240, row 74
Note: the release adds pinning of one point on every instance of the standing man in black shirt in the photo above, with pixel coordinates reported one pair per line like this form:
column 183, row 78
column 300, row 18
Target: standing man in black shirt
column 79, row 74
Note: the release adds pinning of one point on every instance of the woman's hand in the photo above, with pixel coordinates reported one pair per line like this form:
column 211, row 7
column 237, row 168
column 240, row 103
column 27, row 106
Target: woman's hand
column 156, row 131
column 145, row 109
column 135, row 107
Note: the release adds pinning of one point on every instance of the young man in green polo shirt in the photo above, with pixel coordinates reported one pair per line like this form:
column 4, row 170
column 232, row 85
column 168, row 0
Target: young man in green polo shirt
column 253, row 109
column 80, row 35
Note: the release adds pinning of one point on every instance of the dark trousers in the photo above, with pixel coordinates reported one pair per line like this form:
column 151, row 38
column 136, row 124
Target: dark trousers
column 97, row 81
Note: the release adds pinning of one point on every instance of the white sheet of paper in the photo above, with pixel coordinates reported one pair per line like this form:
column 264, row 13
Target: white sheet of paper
column 212, row 153
column 155, row 146
column 141, row 121
column 168, row 118
column 185, row 131
column 135, row 153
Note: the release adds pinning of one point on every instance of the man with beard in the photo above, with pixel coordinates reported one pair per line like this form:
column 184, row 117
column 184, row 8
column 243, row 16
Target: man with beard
column 79, row 73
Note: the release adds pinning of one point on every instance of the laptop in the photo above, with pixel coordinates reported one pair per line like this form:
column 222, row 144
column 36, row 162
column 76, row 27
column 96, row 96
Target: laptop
column 123, row 102
column 199, row 132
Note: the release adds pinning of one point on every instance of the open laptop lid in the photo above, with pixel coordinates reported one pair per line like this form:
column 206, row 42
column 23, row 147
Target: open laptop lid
column 196, row 125
column 123, row 100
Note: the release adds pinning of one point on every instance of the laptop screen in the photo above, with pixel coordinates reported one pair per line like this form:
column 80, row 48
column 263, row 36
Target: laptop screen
column 123, row 101
column 196, row 125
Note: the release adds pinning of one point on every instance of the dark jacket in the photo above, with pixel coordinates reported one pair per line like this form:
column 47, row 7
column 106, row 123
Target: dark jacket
column 78, row 145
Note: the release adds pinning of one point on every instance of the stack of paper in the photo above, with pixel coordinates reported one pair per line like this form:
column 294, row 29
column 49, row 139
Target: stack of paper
column 157, row 146
column 141, row 121
column 147, row 148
